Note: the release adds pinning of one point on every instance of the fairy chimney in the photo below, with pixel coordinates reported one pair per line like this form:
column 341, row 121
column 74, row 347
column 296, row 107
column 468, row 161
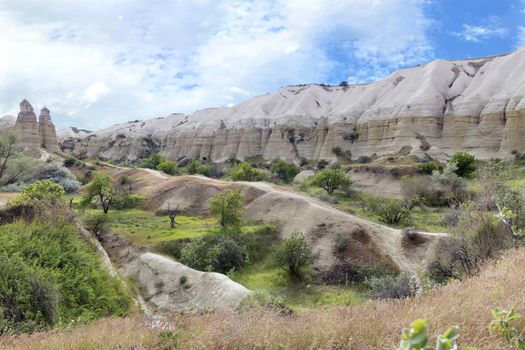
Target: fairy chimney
column 33, row 133
column 48, row 135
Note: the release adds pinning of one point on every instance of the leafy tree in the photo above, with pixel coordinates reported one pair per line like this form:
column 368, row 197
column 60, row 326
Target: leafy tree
column 153, row 161
column 228, row 255
column 284, row 171
column 295, row 254
column 46, row 190
column 7, row 151
column 227, row 207
column 169, row 167
column 245, row 172
column 102, row 188
column 330, row 179
column 465, row 163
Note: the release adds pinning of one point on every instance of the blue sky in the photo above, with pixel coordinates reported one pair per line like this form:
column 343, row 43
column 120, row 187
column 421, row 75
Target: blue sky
column 101, row 62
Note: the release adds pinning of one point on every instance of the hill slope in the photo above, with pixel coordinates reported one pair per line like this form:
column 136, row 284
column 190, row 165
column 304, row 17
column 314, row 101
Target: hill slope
column 474, row 104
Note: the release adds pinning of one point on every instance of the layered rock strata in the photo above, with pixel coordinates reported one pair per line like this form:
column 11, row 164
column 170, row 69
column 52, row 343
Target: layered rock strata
column 438, row 108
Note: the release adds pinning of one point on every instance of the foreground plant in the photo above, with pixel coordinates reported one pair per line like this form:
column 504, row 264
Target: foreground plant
column 416, row 338
column 502, row 324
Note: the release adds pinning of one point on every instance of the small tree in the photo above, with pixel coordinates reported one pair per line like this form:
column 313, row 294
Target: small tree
column 227, row 207
column 330, row 179
column 7, row 150
column 102, row 187
column 194, row 167
column 295, row 254
column 172, row 214
column 465, row 163
column 284, row 171
column 169, row 167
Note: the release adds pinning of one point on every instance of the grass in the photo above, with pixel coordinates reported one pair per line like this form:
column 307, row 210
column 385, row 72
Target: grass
column 145, row 228
column 267, row 278
column 371, row 325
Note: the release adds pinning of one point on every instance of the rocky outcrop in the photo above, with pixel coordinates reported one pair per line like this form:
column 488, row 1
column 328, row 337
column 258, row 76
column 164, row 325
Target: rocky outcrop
column 33, row 133
column 437, row 108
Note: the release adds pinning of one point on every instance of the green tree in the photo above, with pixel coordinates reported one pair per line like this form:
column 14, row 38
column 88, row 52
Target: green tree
column 7, row 150
column 284, row 171
column 330, row 179
column 153, row 161
column 194, row 167
column 227, row 207
column 101, row 187
column 295, row 254
column 245, row 172
column 465, row 163
column 46, row 190
column 169, row 167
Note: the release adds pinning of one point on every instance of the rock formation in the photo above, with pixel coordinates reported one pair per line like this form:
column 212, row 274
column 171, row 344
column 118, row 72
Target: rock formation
column 438, row 108
column 33, row 133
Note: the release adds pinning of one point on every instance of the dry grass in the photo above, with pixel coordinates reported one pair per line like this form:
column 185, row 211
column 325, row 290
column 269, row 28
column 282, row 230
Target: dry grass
column 373, row 325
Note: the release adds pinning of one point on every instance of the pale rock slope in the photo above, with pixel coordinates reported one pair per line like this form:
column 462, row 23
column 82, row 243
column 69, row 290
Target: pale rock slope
column 437, row 108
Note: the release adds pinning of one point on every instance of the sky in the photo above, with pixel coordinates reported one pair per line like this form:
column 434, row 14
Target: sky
column 100, row 62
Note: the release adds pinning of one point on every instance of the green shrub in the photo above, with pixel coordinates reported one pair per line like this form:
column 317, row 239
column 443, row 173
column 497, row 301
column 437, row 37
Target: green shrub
column 502, row 324
column 429, row 167
column 389, row 210
column 96, row 222
column 465, row 163
column 194, row 167
column 125, row 200
column 168, row 167
column 245, row 172
column 294, row 254
column 405, row 285
column 337, row 151
column 58, row 175
column 363, row 159
column 71, row 162
column 153, row 161
column 196, row 255
column 284, row 171
column 330, row 179
column 41, row 191
column 50, row 274
column 322, row 163
column 228, row 255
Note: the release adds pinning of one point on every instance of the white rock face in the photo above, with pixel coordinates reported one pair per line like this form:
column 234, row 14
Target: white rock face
column 438, row 108
column 303, row 175
column 7, row 121
column 163, row 288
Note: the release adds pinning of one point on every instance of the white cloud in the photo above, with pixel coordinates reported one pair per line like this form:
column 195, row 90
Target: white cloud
column 477, row 33
column 101, row 62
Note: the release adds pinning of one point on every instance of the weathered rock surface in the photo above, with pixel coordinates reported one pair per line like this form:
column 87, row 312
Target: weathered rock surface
column 437, row 108
column 303, row 175
column 35, row 134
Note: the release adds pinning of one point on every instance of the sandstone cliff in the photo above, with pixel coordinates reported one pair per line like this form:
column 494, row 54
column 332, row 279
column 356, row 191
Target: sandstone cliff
column 437, row 108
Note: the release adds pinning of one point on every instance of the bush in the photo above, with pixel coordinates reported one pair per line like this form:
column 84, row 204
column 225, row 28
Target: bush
column 429, row 167
column 284, row 171
column 71, row 162
column 168, row 167
column 294, row 254
column 153, row 161
column 394, row 287
column 389, row 210
column 245, row 172
column 465, row 163
column 195, row 255
column 194, row 167
column 228, row 255
column 363, row 159
column 322, row 163
column 212, row 170
column 41, row 191
column 59, row 175
column 125, row 200
column 96, row 223
column 50, row 274
column 416, row 338
column 337, row 151
column 330, row 179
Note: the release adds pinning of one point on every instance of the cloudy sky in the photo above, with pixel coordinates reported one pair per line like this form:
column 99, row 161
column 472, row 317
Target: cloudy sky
column 98, row 62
